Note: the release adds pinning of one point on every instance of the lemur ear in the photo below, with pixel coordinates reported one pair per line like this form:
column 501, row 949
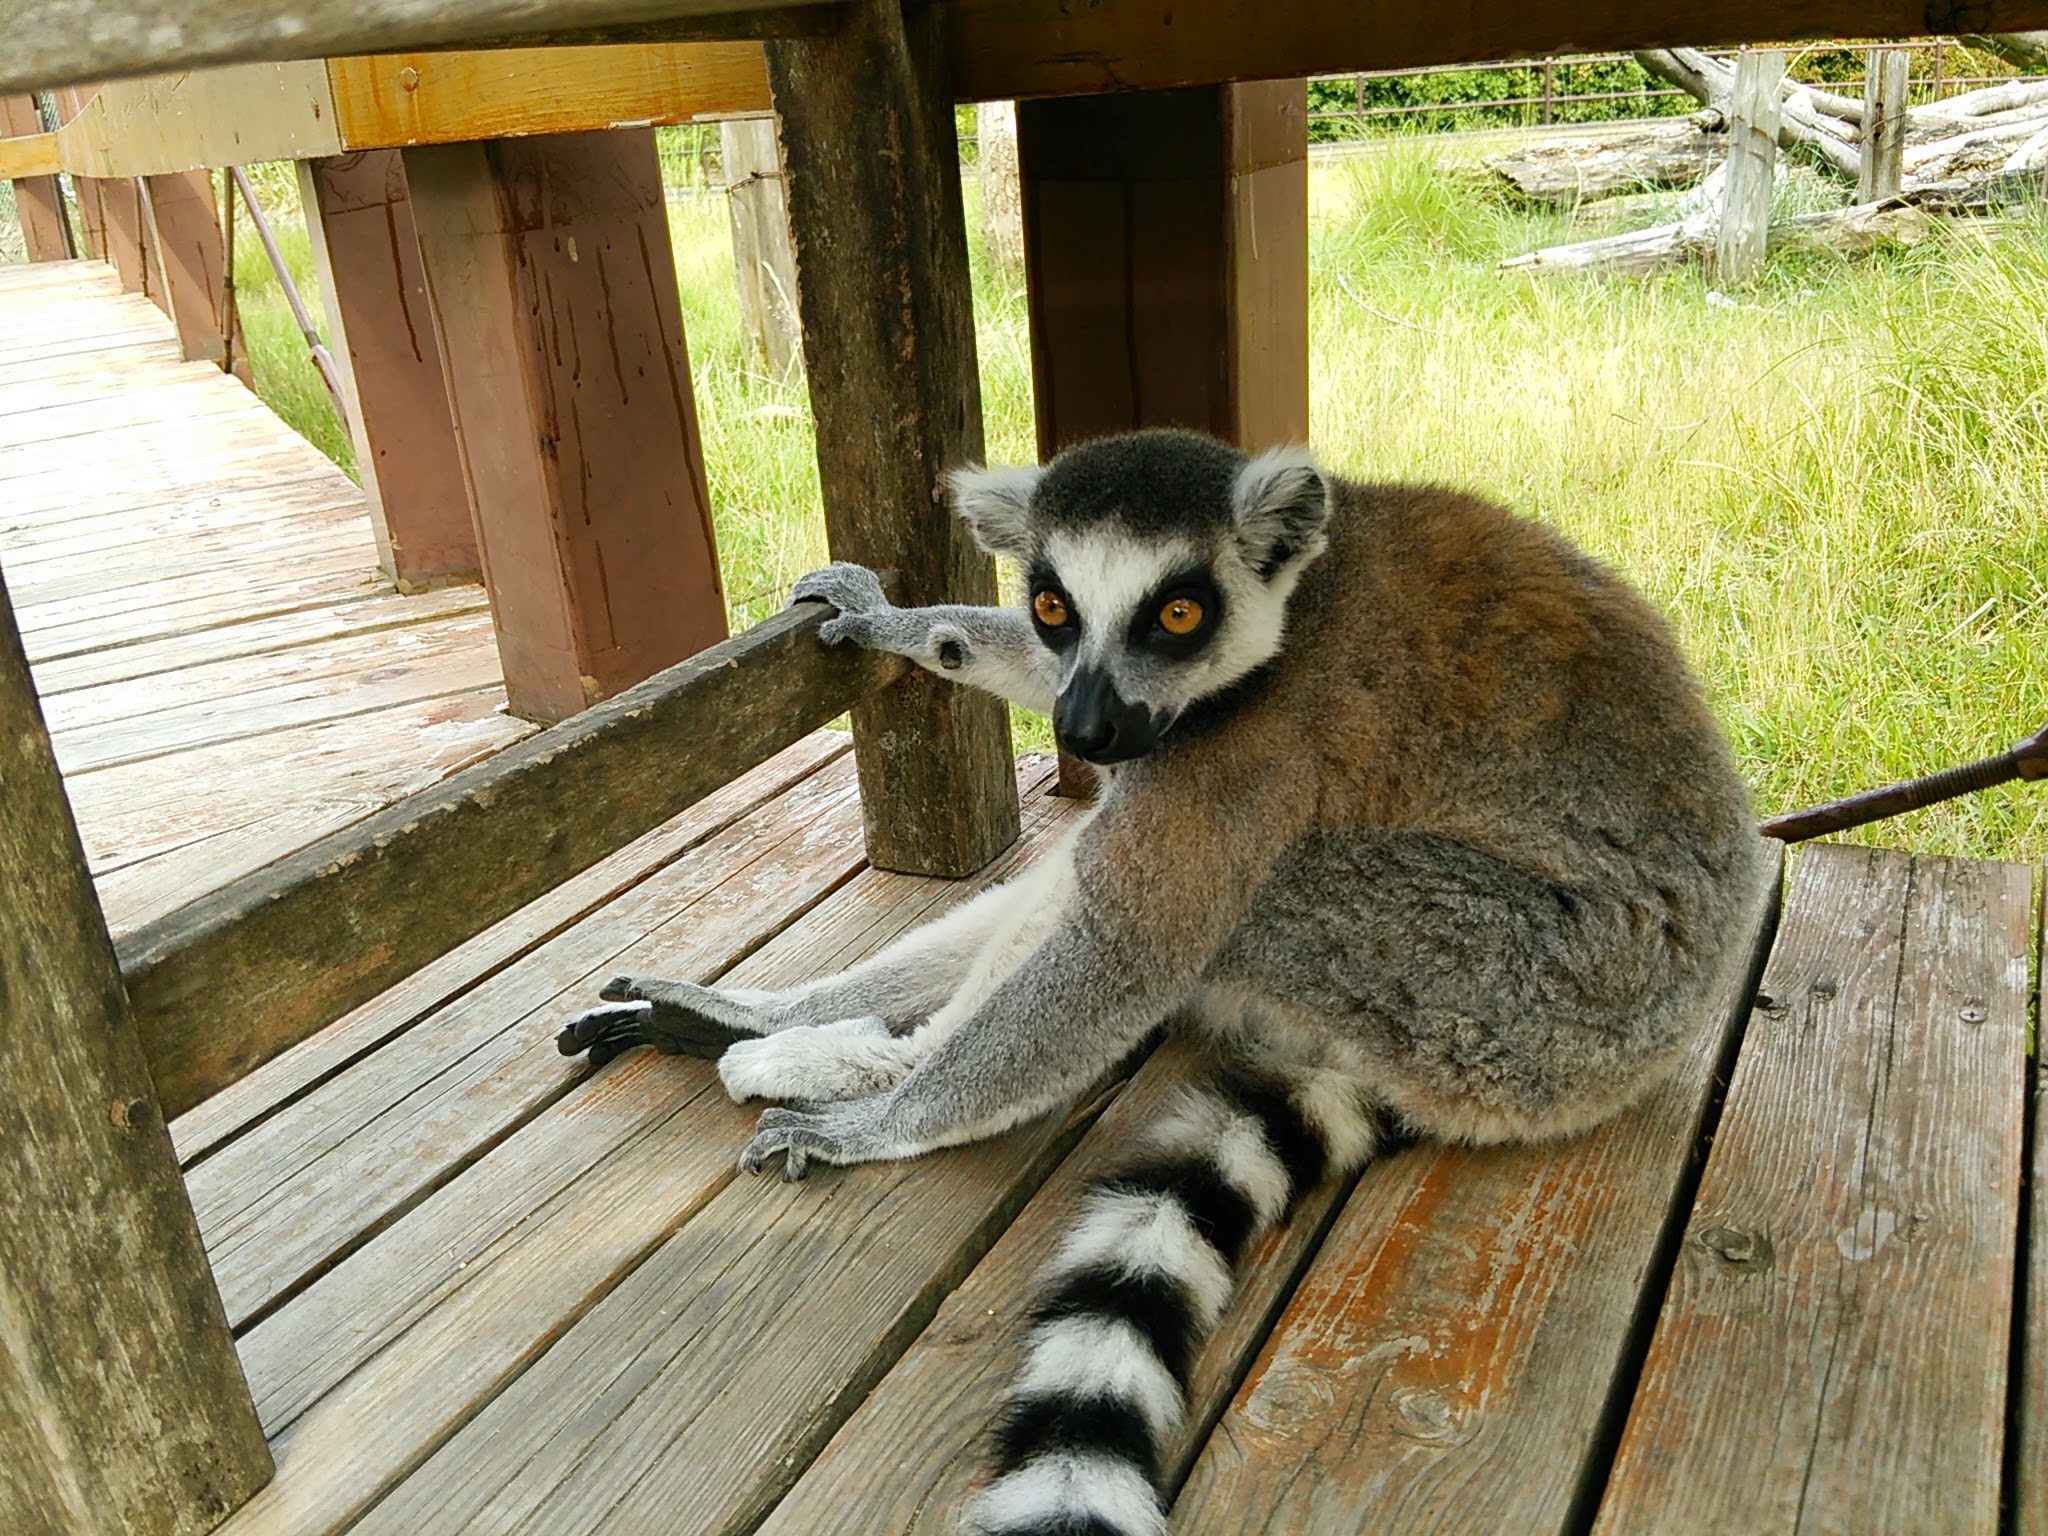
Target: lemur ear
column 996, row 506
column 1281, row 502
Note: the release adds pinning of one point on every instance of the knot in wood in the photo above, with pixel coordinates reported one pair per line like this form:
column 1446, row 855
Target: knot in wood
column 1825, row 989
column 1737, row 1249
column 1436, row 1418
column 131, row 1114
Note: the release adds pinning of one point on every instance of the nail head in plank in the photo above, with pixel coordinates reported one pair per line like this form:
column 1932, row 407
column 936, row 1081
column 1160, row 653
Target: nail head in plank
column 1838, row 1321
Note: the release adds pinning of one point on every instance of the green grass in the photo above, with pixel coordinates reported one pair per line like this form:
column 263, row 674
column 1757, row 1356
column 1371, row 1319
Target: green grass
column 1834, row 486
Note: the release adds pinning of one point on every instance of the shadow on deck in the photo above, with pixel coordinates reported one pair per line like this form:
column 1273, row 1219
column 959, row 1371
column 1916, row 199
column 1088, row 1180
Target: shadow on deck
column 478, row 1287
column 226, row 673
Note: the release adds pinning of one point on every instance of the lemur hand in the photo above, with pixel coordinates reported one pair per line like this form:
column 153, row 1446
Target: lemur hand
column 856, row 592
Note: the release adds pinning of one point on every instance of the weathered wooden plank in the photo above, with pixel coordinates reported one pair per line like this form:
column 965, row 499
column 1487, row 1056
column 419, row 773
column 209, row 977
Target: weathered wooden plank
column 511, row 1292
column 757, row 201
column 906, row 1459
column 122, row 1404
column 888, row 323
column 2027, row 1453
column 1881, row 167
column 1005, row 48
column 1839, row 1320
column 166, row 609
column 1451, row 1360
column 37, row 202
column 64, row 42
column 253, row 637
column 555, row 308
column 229, row 982
column 334, row 544
column 280, row 1204
column 349, row 1039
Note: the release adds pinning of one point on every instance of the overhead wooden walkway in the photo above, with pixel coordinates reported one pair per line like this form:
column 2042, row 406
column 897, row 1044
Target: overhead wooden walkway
column 481, row 1288
column 226, row 673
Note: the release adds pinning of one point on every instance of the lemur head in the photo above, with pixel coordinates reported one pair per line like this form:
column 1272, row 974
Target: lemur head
column 1159, row 568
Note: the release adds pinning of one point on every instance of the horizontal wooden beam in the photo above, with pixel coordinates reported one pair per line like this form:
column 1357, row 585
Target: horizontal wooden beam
column 225, row 983
column 71, row 42
column 32, row 154
column 1005, row 48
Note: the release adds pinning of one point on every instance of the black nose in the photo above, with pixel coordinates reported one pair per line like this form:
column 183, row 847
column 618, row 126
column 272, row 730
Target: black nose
column 1095, row 722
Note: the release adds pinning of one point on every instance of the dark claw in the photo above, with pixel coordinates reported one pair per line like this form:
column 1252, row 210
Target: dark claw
column 671, row 1030
column 604, row 1032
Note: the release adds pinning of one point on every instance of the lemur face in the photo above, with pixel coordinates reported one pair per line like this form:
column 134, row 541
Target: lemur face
column 1158, row 568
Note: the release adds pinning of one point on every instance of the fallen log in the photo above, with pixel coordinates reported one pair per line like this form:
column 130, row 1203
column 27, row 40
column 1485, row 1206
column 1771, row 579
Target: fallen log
column 1986, row 149
column 1640, row 157
column 1992, row 99
column 1801, row 121
column 2029, row 50
column 1861, row 227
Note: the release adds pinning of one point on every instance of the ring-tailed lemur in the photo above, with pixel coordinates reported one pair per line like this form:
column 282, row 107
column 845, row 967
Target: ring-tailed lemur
column 1419, row 818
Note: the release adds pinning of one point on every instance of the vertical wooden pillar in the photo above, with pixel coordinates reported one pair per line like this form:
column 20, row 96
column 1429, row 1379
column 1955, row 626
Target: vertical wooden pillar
column 128, row 243
column 758, row 202
column 190, row 255
column 122, row 1405
column 554, row 299
column 888, row 322
column 1752, row 163
column 86, row 190
column 1883, row 163
column 359, row 218
column 1166, row 253
column 36, row 198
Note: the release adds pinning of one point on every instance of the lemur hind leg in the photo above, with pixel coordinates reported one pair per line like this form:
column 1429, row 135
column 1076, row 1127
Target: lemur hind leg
column 831, row 1037
column 862, row 1053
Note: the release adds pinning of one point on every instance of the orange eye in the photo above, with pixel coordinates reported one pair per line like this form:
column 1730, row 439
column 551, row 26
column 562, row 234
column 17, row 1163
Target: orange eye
column 1051, row 609
column 1182, row 616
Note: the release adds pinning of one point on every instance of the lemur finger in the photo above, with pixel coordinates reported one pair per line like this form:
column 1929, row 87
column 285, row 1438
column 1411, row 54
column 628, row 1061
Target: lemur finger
column 614, row 1026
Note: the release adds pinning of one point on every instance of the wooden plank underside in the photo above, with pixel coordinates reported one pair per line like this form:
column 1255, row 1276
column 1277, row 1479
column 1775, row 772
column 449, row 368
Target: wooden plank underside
column 455, row 1299
column 2027, row 1487
column 1451, row 1359
column 1839, row 1319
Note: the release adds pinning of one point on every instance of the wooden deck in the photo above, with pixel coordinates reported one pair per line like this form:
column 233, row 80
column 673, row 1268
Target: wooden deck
column 481, row 1288
column 225, row 672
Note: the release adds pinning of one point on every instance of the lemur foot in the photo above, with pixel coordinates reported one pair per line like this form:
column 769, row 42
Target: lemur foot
column 818, row 1064
column 852, row 1132
column 645, row 1012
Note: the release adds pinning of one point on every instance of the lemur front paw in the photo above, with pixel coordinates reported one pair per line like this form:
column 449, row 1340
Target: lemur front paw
column 817, row 1064
column 839, row 1134
column 644, row 1011
column 852, row 589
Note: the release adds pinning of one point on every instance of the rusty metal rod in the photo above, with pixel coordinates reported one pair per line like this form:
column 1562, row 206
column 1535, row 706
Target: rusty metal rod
column 322, row 358
column 2028, row 760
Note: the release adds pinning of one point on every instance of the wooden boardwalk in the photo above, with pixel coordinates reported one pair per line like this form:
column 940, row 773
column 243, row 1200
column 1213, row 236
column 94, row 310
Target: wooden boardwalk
column 225, row 672
column 481, row 1288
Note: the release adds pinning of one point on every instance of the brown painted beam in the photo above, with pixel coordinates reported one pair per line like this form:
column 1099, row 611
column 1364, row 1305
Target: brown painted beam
column 86, row 190
column 191, row 256
column 122, row 1404
column 37, row 200
column 888, row 327
column 1166, row 261
column 129, row 248
column 359, row 218
column 553, row 292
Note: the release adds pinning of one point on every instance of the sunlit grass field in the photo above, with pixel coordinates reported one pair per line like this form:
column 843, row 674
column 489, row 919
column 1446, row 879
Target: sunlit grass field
column 1834, row 480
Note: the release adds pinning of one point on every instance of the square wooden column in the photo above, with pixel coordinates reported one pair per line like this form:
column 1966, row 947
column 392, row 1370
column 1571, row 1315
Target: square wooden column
column 1166, row 258
column 86, row 190
column 359, row 218
column 553, row 294
column 123, row 1407
column 873, row 169
column 36, row 198
column 191, row 254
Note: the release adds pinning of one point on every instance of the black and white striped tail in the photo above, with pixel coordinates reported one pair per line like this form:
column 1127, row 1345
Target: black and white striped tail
column 1135, row 1289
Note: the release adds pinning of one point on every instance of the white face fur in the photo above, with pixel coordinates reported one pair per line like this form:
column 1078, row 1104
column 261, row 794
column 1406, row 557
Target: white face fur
column 1119, row 598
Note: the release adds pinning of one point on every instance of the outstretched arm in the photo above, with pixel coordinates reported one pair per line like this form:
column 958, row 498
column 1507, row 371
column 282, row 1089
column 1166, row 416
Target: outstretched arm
column 993, row 649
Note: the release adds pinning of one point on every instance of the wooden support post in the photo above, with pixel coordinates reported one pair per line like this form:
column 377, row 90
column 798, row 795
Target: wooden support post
column 36, row 198
column 1166, row 245
column 1752, row 160
column 888, row 321
column 1884, row 124
column 761, row 250
column 128, row 243
column 122, row 1403
column 1002, row 198
column 367, row 257
column 553, row 292
column 87, row 192
column 191, row 254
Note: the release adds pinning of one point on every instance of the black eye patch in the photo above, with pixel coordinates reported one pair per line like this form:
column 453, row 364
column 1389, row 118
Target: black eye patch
column 1057, row 637
column 1148, row 628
